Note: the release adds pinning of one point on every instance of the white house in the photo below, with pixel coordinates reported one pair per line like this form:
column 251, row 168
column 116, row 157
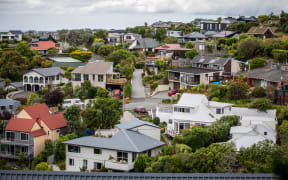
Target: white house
column 36, row 79
column 192, row 110
column 117, row 153
column 131, row 37
column 255, row 126
column 11, row 35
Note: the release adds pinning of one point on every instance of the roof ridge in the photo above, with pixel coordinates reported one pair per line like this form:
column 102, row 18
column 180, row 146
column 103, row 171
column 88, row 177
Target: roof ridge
column 130, row 140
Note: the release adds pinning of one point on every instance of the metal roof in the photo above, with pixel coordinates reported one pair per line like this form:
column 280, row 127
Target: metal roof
column 61, row 175
column 135, row 123
column 4, row 102
column 94, row 68
column 64, row 59
column 52, row 71
column 193, row 70
column 145, row 43
column 210, row 60
column 194, row 35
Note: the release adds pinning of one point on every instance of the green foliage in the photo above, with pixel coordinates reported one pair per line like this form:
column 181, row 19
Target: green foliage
column 76, row 37
column 70, row 49
column 105, row 50
column 43, row 166
column 283, row 133
column 231, row 41
column 102, row 34
column 31, row 98
column 62, row 165
column 141, row 163
column 241, row 26
column 21, row 158
column 92, row 92
column 243, row 36
column 209, row 48
column 139, row 65
column 118, row 55
column 105, row 113
column 156, row 120
column 280, row 55
column 54, row 98
column 170, row 40
column 101, row 92
column 261, row 104
column 280, row 162
column 127, row 71
column 81, row 55
column 86, row 85
column 191, row 54
column 218, row 91
column 68, row 89
column 257, row 158
column 42, row 157
column 60, row 148
column 238, row 90
column 160, row 64
column 166, row 101
column 248, row 48
column 78, row 92
column 189, row 45
column 282, row 114
column 23, row 49
column 72, row 115
column 182, row 148
column 160, row 34
column 53, row 50
column 145, row 31
column 258, row 92
column 128, row 90
column 257, row 62
column 67, row 73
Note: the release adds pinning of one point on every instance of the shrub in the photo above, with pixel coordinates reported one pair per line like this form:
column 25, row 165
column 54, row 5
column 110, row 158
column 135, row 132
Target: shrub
column 101, row 92
column 238, row 90
column 280, row 55
column 81, row 55
column 257, row 62
column 258, row 92
column 156, row 121
column 261, row 104
column 128, row 90
column 191, row 54
column 43, row 166
column 154, row 85
column 166, row 101
column 139, row 65
column 62, row 165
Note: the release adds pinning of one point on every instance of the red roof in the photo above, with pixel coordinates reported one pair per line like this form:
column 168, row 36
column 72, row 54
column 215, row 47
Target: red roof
column 39, row 132
column 45, row 45
column 41, row 111
column 20, row 124
column 168, row 47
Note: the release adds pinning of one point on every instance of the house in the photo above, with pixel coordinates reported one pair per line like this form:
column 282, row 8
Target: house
column 209, row 34
column 9, row 105
column 247, row 19
column 43, row 44
column 212, row 25
column 131, row 37
column 145, row 44
column 54, row 175
column 118, row 152
column 66, row 61
column 160, row 24
column 263, row 32
column 188, row 77
column 177, row 34
column 15, row 86
column 229, row 65
column 29, row 129
column 191, row 110
column 100, row 74
column 37, row 79
column 194, row 36
column 255, row 127
column 11, row 35
column 225, row 34
column 171, row 50
column 116, row 36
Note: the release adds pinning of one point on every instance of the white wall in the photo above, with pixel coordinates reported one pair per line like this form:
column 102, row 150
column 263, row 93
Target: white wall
column 149, row 131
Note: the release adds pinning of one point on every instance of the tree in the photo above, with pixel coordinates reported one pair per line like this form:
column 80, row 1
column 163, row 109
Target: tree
column 68, row 89
column 86, row 85
column 171, row 40
column 43, row 166
column 21, row 158
column 70, row 49
column 5, row 115
column 53, row 51
column 31, row 98
column 105, row 50
column 72, row 115
column 218, row 91
column 280, row 162
column 261, row 104
column 118, row 55
column 160, row 34
column 101, row 92
column 160, row 63
column 23, row 49
column 156, row 120
column 102, row 34
column 81, row 55
column 104, row 113
column 258, row 92
column 282, row 114
column 92, row 92
column 189, row 45
column 248, row 48
column 128, row 90
column 12, row 65
column 141, row 163
column 191, row 54
column 257, row 62
column 283, row 133
column 54, row 98
column 280, row 55
column 257, row 158
column 238, row 90
column 127, row 71
column 40, row 61
column 60, row 147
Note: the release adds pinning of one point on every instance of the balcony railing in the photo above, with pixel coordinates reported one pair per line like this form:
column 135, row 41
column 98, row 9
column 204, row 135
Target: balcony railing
column 116, row 165
column 16, row 142
column 14, row 155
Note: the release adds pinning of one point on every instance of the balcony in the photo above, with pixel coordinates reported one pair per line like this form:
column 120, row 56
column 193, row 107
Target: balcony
column 15, row 155
column 15, row 142
column 121, row 166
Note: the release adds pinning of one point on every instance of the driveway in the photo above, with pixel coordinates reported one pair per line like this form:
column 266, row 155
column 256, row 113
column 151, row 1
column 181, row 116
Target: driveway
column 138, row 90
column 162, row 95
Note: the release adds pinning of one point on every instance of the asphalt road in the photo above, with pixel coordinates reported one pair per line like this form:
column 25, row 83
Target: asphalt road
column 138, row 90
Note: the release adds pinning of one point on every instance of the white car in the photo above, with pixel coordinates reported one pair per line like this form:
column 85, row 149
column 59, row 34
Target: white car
column 70, row 102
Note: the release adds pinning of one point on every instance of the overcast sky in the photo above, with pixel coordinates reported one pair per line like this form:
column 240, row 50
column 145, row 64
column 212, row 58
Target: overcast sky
column 69, row 14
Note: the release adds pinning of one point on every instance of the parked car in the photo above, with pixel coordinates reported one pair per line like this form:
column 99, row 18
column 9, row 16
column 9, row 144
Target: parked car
column 140, row 109
column 116, row 93
column 172, row 92
column 70, row 102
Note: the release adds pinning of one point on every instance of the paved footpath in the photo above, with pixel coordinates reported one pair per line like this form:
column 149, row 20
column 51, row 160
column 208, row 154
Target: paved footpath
column 138, row 90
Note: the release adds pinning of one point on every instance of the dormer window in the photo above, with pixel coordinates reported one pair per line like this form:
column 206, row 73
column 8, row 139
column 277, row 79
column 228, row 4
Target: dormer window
column 265, row 133
column 219, row 111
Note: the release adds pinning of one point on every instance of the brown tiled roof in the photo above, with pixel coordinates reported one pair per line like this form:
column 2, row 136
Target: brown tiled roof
column 261, row 30
column 94, row 68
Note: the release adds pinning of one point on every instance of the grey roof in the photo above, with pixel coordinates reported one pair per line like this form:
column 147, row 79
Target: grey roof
column 94, row 67
column 5, row 102
column 210, row 33
column 135, row 123
column 267, row 73
column 124, row 140
column 62, row 175
column 17, row 84
column 52, row 71
column 192, row 70
column 145, row 43
column 194, row 35
column 210, row 60
column 16, row 32
column 225, row 34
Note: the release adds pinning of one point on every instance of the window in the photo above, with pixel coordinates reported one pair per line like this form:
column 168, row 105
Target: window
column 24, row 149
column 10, row 136
column 170, row 121
column 3, row 108
column 58, row 130
column 93, row 76
column 97, row 165
column 218, row 111
column 85, row 162
column 24, row 136
column 74, row 149
column 134, row 155
column 100, row 78
column 265, row 133
column 58, row 77
column 97, row 151
column 77, row 77
column 149, row 153
column 10, row 106
column 206, row 76
column 52, row 78
column 122, row 156
column 71, row 162
column 86, row 77
column 48, row 132
column 181, row 109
